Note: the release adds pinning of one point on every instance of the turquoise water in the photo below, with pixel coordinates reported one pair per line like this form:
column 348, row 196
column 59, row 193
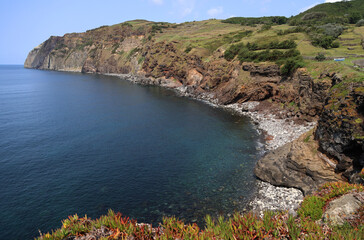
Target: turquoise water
column 75, row 143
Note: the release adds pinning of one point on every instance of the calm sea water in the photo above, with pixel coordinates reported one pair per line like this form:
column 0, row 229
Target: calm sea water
column 75, row 143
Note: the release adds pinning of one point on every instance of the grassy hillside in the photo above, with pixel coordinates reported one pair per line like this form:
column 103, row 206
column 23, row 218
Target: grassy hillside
column 345, row 11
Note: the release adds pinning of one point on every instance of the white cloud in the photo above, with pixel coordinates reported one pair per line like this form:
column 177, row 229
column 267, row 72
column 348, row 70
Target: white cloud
column 158, row 2
column 213, row 12
column 186, row 7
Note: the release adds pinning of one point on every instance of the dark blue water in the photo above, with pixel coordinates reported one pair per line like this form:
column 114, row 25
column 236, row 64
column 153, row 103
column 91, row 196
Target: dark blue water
column 74, row 143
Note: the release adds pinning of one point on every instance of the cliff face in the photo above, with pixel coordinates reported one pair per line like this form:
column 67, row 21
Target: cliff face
column 159, row 51
column 123, row 49
column 341, row 129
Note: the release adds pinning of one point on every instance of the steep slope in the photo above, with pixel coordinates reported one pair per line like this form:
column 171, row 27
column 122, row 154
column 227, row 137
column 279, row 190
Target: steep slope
column 193, row 55
column 344, row 11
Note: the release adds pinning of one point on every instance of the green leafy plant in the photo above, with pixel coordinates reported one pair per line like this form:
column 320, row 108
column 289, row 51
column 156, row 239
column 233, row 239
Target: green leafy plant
column 273, row 225
column 312, row 207
column 290, row 66
column 320, row 57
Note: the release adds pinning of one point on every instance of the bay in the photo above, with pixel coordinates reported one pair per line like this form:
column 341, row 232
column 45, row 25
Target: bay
column 77, row 143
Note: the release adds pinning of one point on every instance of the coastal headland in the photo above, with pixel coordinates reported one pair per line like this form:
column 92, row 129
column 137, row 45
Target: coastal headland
column 281, row 72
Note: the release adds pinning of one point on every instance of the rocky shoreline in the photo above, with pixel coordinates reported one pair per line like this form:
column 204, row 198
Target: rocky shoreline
column 278, row 132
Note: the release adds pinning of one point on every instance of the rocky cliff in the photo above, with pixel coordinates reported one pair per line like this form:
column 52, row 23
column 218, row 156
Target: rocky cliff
column 192, row 55
column 297, row 164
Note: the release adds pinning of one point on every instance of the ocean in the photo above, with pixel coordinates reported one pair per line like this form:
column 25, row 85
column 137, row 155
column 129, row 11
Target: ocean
column 80, row 143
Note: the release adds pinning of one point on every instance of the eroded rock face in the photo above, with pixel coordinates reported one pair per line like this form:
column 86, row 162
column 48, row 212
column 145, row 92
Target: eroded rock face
column 296, row 164
column 343, row 208
column 312, row 94
column 126, row 50
column 39, row 56
column 340, row 129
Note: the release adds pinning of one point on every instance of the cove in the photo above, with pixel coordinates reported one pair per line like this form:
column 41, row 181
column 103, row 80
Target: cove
column 76, row 143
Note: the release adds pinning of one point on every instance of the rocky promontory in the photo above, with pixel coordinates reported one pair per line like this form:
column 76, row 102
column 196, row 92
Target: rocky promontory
column 297, row 164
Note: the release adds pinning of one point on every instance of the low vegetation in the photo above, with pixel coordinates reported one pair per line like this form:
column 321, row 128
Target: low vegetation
column 246, row 21
column 340, row 12
column 272, row 225
column 253, row 52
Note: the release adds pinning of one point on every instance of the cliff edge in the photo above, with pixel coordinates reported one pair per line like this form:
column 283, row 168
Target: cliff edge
column 221, row 62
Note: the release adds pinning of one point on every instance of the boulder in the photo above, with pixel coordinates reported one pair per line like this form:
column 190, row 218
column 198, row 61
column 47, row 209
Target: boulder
column 343, row 208
column 297, row 164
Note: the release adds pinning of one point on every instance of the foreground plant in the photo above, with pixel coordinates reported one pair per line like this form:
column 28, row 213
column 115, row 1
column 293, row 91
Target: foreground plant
column 273, row 225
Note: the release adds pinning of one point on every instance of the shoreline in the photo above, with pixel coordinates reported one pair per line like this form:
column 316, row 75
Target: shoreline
column 279, row 132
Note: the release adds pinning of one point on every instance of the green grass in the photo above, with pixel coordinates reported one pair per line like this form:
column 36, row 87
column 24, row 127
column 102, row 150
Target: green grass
column 312, row 207
column 315, row 68
column 210, row 35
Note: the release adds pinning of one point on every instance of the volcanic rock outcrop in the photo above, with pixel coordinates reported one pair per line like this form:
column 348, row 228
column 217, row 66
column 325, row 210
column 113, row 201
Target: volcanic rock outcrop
column 132, row 49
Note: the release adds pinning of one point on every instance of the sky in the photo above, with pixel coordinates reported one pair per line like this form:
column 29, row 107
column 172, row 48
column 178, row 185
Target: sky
column 24, row 24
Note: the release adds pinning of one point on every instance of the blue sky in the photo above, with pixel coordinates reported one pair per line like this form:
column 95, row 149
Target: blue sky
column 25, row 24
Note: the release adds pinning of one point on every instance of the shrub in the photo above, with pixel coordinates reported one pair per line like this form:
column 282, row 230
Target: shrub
column 323, row 41
column 126, row 24
column 292, row 53
column 237, row 37
column 279, row 20
column 360, row 23
column 251, row 21
column 248, row 53
column 265, row 27
column 287, row 44
column 335, row 44
column 290, row 66
column 232, row 51
column 314, row 15
column 320, row 57
column 354, row 17
column 188, row 49
column 252, row 46
column 291, row 30
column 333, row 30
column 158, row 27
